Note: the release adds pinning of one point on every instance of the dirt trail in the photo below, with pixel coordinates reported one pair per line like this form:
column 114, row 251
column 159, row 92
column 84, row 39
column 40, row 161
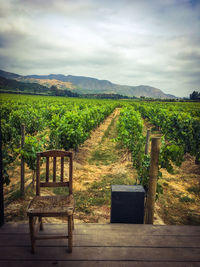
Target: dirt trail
column 100, row 159
column 99, row 156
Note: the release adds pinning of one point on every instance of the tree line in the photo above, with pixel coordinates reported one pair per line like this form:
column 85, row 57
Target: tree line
column 195, row 96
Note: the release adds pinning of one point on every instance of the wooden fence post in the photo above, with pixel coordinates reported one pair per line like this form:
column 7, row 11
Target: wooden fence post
column 22, row 160
column 153, row 175
column 147, row 142
column 1, row 182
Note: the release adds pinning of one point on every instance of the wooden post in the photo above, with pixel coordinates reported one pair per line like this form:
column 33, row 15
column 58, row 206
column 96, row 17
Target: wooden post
column 153, row 175
column 22, row 160
column 147, row 142
column 1, row 182
column 38, row 175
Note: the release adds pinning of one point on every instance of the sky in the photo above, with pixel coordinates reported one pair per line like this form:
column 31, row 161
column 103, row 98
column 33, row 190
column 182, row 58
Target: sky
column 131, row 42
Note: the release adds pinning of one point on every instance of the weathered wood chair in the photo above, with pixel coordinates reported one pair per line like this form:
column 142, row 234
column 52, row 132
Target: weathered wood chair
column 51, row 206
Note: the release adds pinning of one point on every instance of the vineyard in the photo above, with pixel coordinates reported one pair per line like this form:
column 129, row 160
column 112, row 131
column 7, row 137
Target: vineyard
column 108, row 140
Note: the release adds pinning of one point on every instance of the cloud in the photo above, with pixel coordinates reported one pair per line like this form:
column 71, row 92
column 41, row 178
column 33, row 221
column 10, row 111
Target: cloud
column 153, row 42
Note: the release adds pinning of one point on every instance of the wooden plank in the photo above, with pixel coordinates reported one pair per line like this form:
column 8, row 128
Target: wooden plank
column 137, row 229
column 141, row 229
column 54, row 184
column 22, row 161
column 62, row 169
column 55, row 153
column 147, row 142
column 152, row 184
column 110, row 239
column 102, row 253
column 38, row 176
column 54, row 169
column 46, row 237
column 70, row 174
column 103, row 245
column 87, row 263
column 47, row 169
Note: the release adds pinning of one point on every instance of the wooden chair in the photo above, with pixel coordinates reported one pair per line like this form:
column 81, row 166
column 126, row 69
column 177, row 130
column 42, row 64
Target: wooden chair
column 51, row 206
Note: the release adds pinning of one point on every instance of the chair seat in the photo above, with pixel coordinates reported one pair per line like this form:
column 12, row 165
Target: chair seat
column 47, row 206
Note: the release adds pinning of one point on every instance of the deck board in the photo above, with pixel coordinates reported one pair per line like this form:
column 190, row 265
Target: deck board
column 114, row 240
column 103, row 245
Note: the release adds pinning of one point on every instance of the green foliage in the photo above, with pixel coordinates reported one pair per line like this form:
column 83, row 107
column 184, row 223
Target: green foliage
column 10, row 140
column 195, row 96
column 31, row 147
column 130, row 132
column 143, row 171
column 54, row 91
column 74, row 127
column 194, row 189
column 170, row 153
column 130, row 127
column 8, row 158
column 179, row 123
column 187, row 199
column 50, row 123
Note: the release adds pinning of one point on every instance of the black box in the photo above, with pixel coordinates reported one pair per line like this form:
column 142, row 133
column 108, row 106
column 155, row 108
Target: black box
column 127, row 204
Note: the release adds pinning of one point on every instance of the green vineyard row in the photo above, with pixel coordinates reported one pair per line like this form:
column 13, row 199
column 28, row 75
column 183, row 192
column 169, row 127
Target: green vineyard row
column 178, row 126
column 65, row 123
column 50, row 123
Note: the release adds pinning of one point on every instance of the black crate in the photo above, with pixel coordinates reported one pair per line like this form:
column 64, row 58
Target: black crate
column 127, row 204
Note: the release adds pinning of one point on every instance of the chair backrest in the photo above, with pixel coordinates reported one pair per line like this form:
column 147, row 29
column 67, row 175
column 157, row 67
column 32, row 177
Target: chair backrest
column 54, row 154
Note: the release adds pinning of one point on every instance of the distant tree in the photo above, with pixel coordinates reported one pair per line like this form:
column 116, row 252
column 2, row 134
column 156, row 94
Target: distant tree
column 195, row 96
column 54, row 90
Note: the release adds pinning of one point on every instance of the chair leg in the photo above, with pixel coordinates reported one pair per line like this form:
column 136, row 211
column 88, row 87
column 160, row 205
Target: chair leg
column 41, row 224
column 69, row 234
column 32, row 233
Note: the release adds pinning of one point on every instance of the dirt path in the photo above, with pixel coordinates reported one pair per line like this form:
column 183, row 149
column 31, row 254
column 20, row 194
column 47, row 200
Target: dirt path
column 99, row 163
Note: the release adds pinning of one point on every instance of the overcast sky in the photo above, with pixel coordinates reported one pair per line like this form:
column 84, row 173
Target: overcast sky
column 149, row 42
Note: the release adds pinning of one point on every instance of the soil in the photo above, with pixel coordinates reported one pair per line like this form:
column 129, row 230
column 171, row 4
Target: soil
column 180, row 202
column 101, row 158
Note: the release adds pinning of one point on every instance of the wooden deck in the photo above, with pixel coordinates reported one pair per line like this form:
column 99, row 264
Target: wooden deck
column 103, row 245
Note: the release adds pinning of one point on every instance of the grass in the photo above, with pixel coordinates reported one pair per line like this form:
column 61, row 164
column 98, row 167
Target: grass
column 106, row 153
column 194, row 189
column 102, row 157
column 109, row 130
column 99, row 192
column 177, row 208
column 187, row 199
column 61, row 190
column 19, row 212
column 14, row 195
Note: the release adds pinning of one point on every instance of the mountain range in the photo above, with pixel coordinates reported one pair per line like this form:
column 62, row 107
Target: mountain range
column 87, row 85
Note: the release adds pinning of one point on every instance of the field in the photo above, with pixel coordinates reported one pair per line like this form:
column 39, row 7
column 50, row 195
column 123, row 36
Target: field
column 107, row 138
